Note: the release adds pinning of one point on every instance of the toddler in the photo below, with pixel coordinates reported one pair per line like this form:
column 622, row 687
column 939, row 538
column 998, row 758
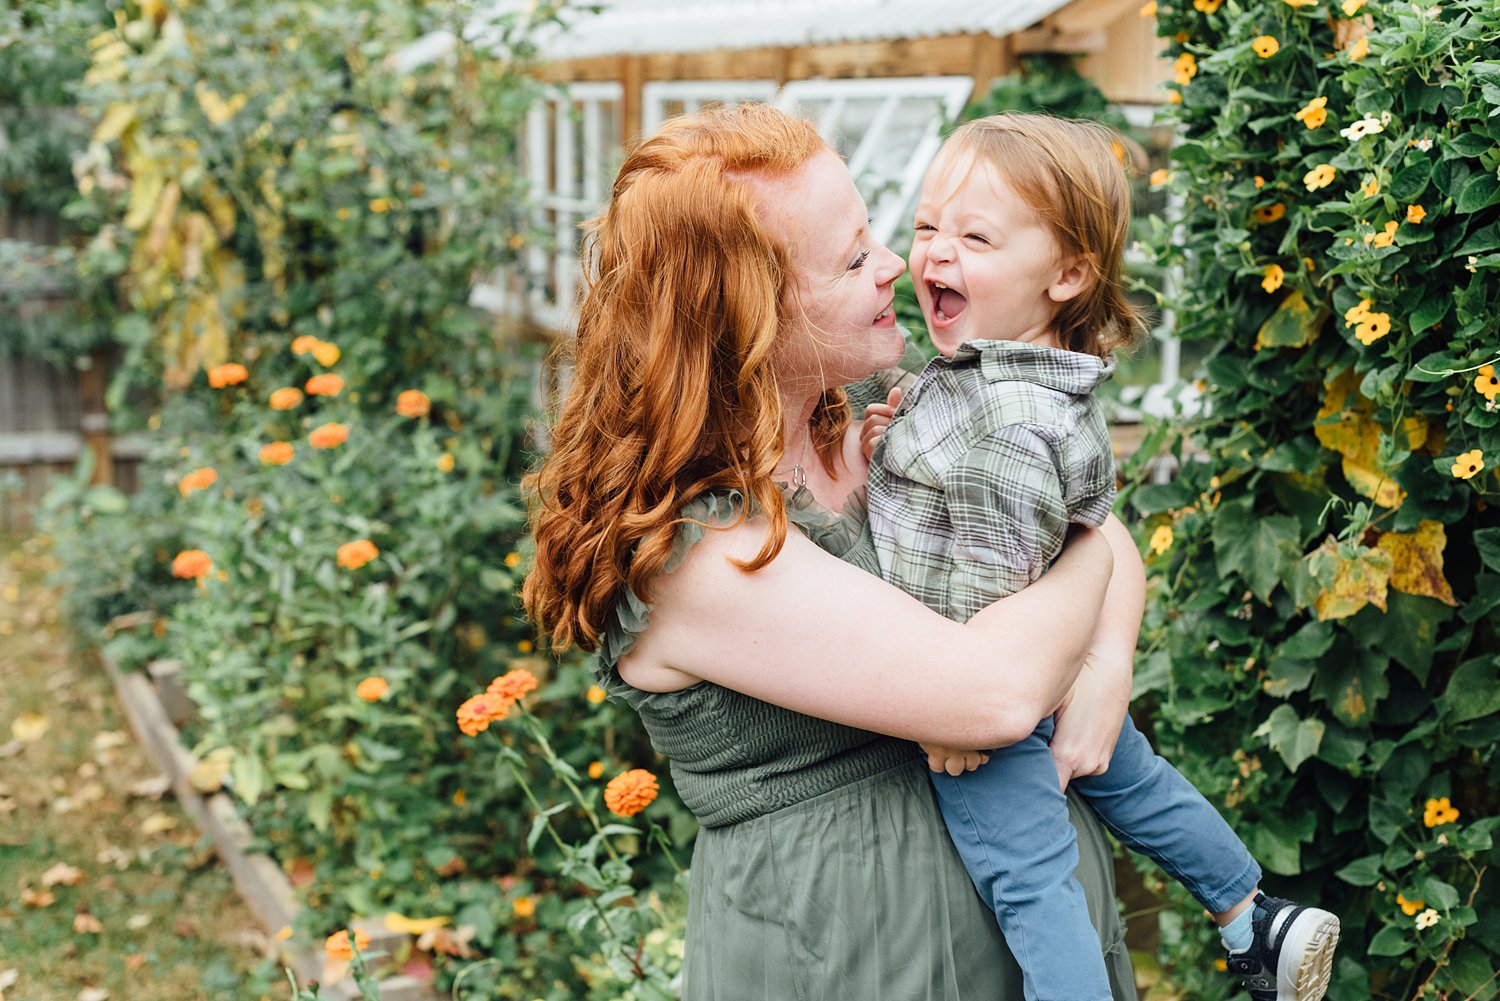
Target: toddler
column 974, row 480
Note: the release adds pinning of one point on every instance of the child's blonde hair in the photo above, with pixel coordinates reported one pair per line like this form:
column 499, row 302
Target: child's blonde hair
column 1071, row 173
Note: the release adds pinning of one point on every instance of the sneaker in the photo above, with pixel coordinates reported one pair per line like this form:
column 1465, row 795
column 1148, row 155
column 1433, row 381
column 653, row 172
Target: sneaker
column 1292, row 952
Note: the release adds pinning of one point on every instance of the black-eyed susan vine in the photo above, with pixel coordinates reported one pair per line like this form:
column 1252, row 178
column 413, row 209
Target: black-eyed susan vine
column 1323, row 643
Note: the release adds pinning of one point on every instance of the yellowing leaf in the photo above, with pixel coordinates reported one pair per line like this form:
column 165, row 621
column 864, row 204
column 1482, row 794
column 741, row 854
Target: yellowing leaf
column 208, row 774
column 29, row 727
column 1345, row 425
column 116, row 120
column 1293, row 325
column 1350, row 576
column 412, row 926
column 158, row 823
column 1417, row 561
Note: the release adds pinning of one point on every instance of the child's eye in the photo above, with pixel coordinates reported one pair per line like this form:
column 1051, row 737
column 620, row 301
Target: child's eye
column 923, row 227
column 859, row 261
column 976, row 238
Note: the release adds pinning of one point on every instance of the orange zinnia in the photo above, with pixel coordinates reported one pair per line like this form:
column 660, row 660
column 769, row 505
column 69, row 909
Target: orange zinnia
column 229, row 374
column 326, row 354
column 513, row 684
column 191, row 563
column 198, row 479
column 304, row 344
column 286, row 398
column 479, row 711
column 278, row 453
column 630, row 793
column 413, row 403
column 353, row 555
column 337, row 946
column 328, row 436
column 326, row 384
column 371, row 689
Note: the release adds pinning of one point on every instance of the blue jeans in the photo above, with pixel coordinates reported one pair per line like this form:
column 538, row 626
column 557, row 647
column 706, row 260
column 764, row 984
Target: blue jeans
column 1009, row 822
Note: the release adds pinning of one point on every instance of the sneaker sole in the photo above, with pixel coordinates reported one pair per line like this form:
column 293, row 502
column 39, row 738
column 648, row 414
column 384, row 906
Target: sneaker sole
column 1306, row 960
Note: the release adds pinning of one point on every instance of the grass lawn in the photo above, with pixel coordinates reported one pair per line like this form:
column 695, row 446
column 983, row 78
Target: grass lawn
column 106, row 891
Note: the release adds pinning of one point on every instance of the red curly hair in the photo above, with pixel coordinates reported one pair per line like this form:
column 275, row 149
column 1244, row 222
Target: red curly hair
column 674, row 392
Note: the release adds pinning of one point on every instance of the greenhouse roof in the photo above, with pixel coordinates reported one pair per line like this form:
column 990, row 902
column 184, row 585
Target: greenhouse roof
column 634, row 27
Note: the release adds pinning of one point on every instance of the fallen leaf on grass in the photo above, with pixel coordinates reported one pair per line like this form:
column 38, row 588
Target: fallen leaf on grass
column 158, row 823
column 448, row 941
column 153, row 788
column 137, row 921
column 106, row 740
column 8, row 978
column 10, row 748
column 115, row 856
column 85, row 923
column 63, row 874
column 37, row 898
column 208, row 774
column 184, row 928
column 29, row 727
column 135, row 961
column 93, row 994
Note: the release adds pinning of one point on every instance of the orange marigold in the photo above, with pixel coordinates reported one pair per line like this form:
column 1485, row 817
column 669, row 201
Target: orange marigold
column 327, row 384
column 278, row 453
column 479, row 711
column 328, row 436
column 372, row 688
column 286, row 398
column 413, row 403
column 191, row 563
column 337, row 945
column 229, row 374
column 198, row 479
column 304, row 344
column 353, row 555
column 630, row 793
column 326, row 354
column 512, row 685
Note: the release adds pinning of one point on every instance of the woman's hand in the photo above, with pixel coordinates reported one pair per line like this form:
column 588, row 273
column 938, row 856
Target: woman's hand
column 877, row 419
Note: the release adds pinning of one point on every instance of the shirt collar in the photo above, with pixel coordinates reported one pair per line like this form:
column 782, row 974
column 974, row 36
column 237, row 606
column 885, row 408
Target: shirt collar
column 1011, row 361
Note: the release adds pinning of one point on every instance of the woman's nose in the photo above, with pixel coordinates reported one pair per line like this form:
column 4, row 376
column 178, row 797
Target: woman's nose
column 891, row 267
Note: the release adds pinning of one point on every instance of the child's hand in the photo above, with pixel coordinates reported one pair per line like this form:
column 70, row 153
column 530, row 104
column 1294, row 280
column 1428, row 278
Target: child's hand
column 877, row 419
column 953, row 760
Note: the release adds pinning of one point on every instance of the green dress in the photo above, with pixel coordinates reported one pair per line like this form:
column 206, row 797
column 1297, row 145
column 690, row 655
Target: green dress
column 822, row 871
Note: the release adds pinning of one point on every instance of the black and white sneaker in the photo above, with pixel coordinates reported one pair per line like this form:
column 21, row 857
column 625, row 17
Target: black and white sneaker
column 1291, row 955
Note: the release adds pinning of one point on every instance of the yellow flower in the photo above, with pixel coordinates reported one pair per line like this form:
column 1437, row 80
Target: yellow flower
column 1486, row 384
column 413, row 403
column 1372, row 328
column 284, row 933
column 1314, row 114
column 1370, row 188
column 353, row 555
column 1356, row 313
column 1320, row 176
column 525, row 646
column 229, row 374
column 1207, row 6
column 1409, row 907
column 445, row 462
column 343, row 213
column 1465, row 467
column 1174, row 97
column 595, row 694
column 1161, row 539
column 512, row 685
column 380, row 205
column 198, row 479
column 326, row 384
column 1260, row 182
column 479, row 711
column 337, row 945
column 1427, row 919
column 372, row 688
column 512, row 559
column 1273, row 277
column 524, row 907
column 195, row 563
column 1388, row 237
column 286, row 398
column 1160, row 176
column 631, row 792
column 326, row 354
column 1270, row 213
column 1266, row 46
column 1185, row 68
column 330, row 435
column 277, row 453
column 304, row 344
column 1301, row 3
column 1359, row 49
column 1415, row 214
column 596, row 769
column 1351, row 7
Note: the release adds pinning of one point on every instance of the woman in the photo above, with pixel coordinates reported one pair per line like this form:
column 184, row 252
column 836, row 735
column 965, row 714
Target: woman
column 735, row 286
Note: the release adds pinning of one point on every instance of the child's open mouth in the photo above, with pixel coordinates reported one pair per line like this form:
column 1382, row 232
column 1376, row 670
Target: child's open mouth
column 947, row 303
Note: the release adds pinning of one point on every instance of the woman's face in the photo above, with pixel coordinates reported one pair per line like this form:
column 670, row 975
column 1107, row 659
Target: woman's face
column 841, row 276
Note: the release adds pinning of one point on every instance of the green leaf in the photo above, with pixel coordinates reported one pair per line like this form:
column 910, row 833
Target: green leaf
column 1361, row 872
column 1390, row 941
column 248, row 773
column 1478, row 192
column 1261, row 550
column 1473, row 691
column 1431, row 311
column 1487, row 541
column 1294, row 739
column 1411, row 181
column 1470, row 144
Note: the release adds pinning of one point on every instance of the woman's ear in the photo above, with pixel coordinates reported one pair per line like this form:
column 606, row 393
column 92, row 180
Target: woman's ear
column 1074, row 278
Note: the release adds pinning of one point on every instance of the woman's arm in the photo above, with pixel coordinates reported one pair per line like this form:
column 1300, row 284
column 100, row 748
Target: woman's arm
column 819, row 636
column 1088, row 724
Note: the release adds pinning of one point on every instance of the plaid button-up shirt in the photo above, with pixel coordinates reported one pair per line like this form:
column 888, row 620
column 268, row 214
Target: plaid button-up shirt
column 991, row 455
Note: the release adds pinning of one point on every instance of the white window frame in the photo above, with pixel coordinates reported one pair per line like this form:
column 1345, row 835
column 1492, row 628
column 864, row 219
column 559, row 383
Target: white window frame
column 952, row 93
column 694, row 94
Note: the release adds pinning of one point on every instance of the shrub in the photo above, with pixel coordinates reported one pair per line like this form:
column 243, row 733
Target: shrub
column 1321, row 646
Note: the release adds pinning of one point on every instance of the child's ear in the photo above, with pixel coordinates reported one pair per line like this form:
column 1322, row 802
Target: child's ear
column 1074, row 278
